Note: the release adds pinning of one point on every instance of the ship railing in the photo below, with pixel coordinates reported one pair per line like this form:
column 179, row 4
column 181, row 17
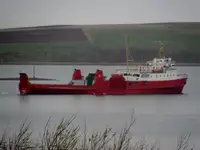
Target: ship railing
column 127, row 70
column 136, row 67
column 133, row 70
column 184, row 75
column 172, row 69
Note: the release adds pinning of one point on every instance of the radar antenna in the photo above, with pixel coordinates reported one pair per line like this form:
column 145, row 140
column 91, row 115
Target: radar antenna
column 161, row 48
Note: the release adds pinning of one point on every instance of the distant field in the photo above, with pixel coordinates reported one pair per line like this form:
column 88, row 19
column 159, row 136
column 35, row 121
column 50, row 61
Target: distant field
column 176, row 37
column 46, row 46
column 43, row 51
column 100, row 43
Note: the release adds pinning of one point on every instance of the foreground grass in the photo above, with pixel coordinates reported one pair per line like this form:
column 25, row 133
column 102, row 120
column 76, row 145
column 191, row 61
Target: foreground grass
column 67, row 136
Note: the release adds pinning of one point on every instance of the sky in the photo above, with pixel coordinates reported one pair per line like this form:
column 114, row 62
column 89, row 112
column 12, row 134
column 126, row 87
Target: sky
column 24, row 13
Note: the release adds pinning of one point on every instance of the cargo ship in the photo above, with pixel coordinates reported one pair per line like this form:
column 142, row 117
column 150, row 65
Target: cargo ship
column 153, row 77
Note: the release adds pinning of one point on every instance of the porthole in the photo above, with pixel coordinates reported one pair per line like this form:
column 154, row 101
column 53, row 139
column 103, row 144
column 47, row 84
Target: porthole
column 145, row 83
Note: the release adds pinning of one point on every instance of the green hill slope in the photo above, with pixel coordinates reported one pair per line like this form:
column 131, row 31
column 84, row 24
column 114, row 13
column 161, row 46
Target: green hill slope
column 185, row 36
column 105, row 43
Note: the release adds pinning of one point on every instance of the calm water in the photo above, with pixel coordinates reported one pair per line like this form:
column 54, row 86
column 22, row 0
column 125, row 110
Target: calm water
column 162, row 118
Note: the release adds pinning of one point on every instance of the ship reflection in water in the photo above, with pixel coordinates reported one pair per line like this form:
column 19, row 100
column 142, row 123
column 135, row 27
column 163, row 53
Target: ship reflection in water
column 159, row 117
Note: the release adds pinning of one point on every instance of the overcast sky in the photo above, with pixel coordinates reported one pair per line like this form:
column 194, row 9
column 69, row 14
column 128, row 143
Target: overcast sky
column 22, row 13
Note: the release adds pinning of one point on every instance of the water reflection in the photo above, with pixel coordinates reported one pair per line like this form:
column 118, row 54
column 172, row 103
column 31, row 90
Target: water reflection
column 77, row 97
column 157, row 116
column 23, row 98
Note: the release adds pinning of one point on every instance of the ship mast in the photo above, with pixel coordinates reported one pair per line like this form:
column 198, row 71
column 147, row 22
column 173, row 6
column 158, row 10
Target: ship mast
column 129, row 58
column 33, row 72
column 160, row 49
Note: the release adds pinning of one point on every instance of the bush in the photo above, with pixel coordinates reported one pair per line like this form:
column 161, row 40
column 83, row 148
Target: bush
column 67, row 136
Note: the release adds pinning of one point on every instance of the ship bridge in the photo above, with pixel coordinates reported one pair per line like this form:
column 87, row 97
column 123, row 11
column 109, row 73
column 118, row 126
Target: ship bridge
column 165, row 62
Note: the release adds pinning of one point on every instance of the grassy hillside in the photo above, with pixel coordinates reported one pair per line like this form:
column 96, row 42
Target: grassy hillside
column 177, row 36
column 105, row 43
column 46, row 52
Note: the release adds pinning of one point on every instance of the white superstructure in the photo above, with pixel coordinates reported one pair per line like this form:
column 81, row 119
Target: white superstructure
column 158, row 69
column 151, row 72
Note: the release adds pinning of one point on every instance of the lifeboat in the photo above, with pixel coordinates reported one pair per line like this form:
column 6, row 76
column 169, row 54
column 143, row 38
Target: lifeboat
column 158, row 70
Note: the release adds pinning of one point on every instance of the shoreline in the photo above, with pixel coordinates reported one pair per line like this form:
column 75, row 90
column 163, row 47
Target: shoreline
column 30, row 78
column 87, row 63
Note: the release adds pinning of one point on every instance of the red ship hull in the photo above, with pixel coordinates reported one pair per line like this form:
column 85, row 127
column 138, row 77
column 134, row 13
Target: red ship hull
column 116, row 85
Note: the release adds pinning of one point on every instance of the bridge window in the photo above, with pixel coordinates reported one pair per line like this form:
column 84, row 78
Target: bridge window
column 145, row 75
column 136, row 75
column 127, row 74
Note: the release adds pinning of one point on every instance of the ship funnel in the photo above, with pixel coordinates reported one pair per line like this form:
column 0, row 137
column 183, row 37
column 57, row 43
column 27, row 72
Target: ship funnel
column 23, row 77
column 23, row 83
column 99, row 72
column 77, row 74
column 99, row 83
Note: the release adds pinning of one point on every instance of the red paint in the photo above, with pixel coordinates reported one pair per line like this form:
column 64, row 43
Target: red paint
column 77, row 75
column 116, row 85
